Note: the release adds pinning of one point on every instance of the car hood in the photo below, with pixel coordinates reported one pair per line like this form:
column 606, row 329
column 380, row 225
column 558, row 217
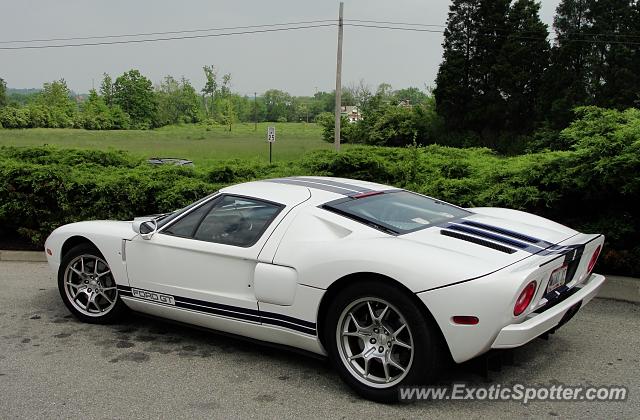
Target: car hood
column 495, row 238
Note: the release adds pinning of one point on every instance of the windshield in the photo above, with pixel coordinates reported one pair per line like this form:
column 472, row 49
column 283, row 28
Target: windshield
column 397, row 211
column 165, row 218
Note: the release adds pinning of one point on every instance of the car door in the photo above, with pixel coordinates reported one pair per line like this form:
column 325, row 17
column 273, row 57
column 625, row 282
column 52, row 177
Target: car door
column 205, row 260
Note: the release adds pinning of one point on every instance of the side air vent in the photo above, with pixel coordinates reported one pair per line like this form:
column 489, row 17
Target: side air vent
column 478, row 241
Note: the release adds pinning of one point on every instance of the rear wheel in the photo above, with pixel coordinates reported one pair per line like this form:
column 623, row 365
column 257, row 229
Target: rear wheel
column 87, row 286
column 379, row 340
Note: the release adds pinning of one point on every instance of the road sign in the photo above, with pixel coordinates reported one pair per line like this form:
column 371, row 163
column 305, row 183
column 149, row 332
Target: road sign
column 271, row 134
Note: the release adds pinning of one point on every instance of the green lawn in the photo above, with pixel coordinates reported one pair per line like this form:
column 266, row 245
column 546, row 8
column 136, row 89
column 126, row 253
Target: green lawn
column 200, row 143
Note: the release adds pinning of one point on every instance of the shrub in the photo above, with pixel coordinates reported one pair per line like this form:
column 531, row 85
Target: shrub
column 11, row 117
column 592, row 188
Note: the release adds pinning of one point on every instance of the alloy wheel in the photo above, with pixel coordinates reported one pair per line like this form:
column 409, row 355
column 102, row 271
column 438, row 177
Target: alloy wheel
column 90, row 286
column 375, row 342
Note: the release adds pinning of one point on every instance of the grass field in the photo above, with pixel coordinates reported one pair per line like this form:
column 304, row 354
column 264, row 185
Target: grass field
column 200, row 143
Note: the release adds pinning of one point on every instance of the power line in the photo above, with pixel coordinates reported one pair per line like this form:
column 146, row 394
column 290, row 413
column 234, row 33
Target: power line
column 230, row 28
column 586, row 33
column 395, row 23
column 274, row 27
column 138, row 41
column 393, row 28
column 523, row 38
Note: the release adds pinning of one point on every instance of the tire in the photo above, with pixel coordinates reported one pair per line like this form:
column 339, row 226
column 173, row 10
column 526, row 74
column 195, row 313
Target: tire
column 382, row 339
column 87, row 286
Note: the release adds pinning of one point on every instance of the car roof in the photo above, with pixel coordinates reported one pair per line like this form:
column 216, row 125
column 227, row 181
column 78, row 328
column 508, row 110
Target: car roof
column 293, row 190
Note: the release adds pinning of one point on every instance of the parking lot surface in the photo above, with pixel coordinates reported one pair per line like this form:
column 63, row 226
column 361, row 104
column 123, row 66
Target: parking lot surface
column 54, row 366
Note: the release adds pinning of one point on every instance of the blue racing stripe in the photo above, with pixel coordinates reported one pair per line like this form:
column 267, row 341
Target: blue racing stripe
column 506, row 232
column 488, row 235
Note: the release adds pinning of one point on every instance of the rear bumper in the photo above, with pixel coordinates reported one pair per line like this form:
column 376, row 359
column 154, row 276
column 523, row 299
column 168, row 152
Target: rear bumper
column 537, row 324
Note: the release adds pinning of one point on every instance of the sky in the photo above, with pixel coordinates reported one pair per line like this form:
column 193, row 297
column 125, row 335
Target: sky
column 299, row 62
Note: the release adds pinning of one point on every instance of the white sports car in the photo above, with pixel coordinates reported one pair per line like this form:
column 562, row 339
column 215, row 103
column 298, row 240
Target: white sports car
column 386, row 282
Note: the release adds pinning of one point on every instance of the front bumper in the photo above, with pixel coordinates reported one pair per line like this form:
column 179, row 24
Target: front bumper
column 538, row 323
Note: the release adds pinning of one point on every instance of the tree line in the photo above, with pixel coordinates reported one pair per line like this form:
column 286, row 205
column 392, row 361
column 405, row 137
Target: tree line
column 500, row 74
column 133, row 101
column 505, row 82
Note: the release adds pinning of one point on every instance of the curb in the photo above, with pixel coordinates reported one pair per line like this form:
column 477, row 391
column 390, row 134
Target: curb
column 621, row 288
column 626, row 289
column 24, row 256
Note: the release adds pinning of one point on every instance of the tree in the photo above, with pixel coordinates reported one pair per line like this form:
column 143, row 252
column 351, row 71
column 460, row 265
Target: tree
column 54, row 103
column 176, row 102
column 280, row 106
column 210, row 87
column 96, row 115
column 521, row 66
column 225, row 89
column 228, row 112
column 57, row 95
column 384, row 90
column 614, row 80
column 568, row 77
column 488, row 106
column 3, row 93
column 411, row 95
column 454, row 90
column 134, row 94
column 359, row 93
column 106, row 89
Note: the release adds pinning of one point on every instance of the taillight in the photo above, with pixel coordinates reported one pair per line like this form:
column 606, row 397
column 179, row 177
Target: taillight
column 525, row 298
column 594, row 259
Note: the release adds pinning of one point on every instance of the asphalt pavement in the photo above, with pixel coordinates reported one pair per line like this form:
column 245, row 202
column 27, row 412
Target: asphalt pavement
column 54, row 366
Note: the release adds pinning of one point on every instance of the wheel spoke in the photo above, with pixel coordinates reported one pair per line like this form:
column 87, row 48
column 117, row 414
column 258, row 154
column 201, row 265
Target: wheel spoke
column 385, row 365
column 102, row 274
column 104, row 289
column 383, row 313
column 366, row 367
column 351, row 334
column 399, row 330
column 90, row 300
column 75, row 298
column 402, row 344
column 70, row 283
column 107, row 298
column 75, row 270
column 82, row 264
column 373, row 315
column 355, row 322
column 362, row 355
column 78, row 289
column 395, row 364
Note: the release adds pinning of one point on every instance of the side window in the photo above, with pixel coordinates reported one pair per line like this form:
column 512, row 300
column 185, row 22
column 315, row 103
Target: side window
column 186, row 226
column 236, row 221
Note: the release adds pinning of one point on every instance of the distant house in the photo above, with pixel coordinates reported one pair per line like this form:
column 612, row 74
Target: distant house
column 351, row 112
column 405, row 103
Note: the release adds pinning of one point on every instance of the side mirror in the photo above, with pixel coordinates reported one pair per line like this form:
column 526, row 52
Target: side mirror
column 146, row 228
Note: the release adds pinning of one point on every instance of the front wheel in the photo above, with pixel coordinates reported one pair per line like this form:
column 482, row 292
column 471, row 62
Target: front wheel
column 379, row 340
column 87, row 286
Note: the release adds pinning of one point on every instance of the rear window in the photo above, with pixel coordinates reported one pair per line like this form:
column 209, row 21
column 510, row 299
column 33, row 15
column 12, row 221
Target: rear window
column 397, row 212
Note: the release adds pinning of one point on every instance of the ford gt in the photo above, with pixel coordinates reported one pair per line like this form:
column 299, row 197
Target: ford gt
column 387, row 283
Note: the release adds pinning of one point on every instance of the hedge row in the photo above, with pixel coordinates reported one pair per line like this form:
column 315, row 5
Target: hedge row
column 590, row 189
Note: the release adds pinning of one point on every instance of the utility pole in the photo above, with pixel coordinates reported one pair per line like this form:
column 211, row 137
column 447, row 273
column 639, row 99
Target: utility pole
column 255, row 111
column 339, row 81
